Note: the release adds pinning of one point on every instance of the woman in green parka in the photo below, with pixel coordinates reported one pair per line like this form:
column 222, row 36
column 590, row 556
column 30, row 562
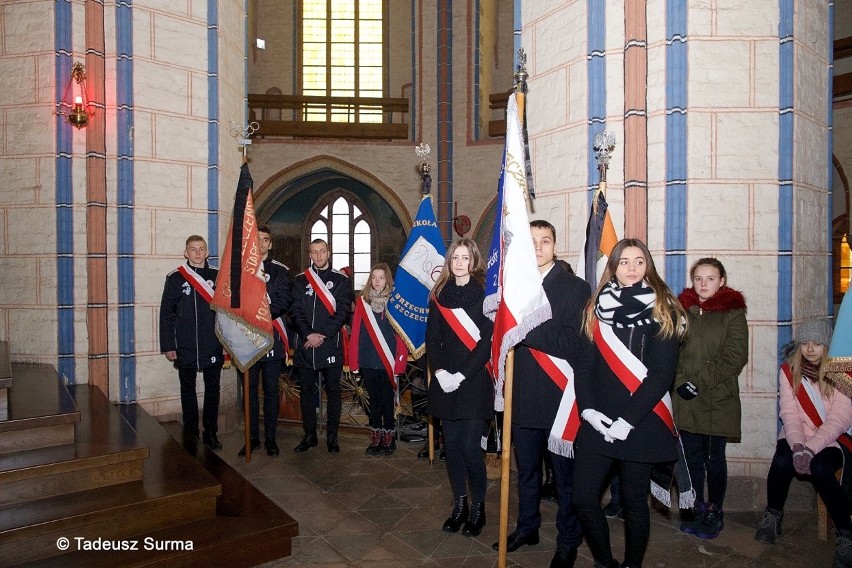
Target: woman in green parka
column 707, row 402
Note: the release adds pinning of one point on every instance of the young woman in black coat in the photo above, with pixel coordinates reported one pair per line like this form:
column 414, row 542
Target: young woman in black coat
column 635, row 324
column 461, row 393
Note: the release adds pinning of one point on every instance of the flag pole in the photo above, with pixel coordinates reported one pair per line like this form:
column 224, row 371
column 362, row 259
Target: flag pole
column 431, row 428
column 506, row 456
column 246, row 414
column 505, row 463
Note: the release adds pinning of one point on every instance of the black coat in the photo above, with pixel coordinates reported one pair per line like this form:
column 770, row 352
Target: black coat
column 187, row 324
column 279, row 289
column 309, row 315
column 535, row 397
column 599, row 388
column 475, row 397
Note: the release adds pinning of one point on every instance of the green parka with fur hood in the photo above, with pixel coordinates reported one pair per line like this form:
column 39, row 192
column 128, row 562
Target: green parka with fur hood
column 711, row 357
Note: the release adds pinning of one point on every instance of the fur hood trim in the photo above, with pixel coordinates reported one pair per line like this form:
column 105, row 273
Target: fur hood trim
column 724, row 300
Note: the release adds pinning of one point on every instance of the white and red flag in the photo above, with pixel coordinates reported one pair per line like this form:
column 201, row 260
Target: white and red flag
column 514, row 296
column 243, row 317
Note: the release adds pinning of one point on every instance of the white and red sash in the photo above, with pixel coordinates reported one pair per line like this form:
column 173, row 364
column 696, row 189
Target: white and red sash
column 278, row 325
column 378, row 339
column 567, row 420
column 196, row 281
column 629, row 369
column 803, row 396
column 320, row 290
column 461, row 324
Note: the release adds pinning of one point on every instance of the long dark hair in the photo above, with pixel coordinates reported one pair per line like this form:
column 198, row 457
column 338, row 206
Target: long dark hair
column 477, row 266
column 667, row 310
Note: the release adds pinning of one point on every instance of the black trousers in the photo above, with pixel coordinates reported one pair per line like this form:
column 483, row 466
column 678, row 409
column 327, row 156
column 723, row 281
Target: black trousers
column 308, row 379
column 530, row 447
column 823, row 467
column 189, row 399
column 705, row 453
column 270, row 370
column 465, row 463
column 382, row 398
column 591, row 476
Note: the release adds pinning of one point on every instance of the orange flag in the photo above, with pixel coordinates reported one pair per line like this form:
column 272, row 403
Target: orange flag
column 243, row 318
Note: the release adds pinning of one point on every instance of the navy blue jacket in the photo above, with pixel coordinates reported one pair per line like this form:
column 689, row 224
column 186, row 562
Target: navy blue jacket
column 187, row 324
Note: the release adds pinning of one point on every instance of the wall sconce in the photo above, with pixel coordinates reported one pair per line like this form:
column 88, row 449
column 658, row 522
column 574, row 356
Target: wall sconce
column 79, row 115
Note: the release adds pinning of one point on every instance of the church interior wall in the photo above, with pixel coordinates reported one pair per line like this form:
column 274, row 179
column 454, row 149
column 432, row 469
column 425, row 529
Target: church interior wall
column 733, row 153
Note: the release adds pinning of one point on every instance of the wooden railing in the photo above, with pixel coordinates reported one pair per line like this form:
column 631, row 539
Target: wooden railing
column 329, row 117
column 497, row 128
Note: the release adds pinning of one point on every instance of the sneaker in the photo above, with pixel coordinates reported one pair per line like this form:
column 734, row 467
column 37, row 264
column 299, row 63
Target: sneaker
column 770, row 526
column 613, row 510
column 692, row 518
column 843, row 551
column 711, row 523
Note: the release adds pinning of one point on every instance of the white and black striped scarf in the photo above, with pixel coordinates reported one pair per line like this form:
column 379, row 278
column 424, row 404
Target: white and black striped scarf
column 627, row 306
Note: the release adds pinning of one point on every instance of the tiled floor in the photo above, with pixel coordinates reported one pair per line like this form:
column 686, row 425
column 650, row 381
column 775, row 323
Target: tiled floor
column 356, row 510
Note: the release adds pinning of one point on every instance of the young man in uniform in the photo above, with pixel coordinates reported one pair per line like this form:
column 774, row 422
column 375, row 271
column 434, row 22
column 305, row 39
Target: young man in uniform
column 188, row 339
column 542, row 360
column 322, row 303
column 278, row 288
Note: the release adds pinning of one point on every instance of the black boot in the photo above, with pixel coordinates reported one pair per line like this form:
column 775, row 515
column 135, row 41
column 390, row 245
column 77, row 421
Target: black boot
column 211, row 440
column 308, row 441
column 255, row 444
column 458, row 514
column 375, row 442
column 389, row 441
column 475, row 519
column 770, row 526
column 331, row 443
column 564, row 558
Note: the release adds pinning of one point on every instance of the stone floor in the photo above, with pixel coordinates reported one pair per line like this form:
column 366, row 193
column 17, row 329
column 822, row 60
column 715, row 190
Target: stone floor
column 356, row 510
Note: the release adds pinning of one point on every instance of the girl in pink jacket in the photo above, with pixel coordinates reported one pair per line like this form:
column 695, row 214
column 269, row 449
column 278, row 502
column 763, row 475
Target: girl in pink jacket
column 815, row 420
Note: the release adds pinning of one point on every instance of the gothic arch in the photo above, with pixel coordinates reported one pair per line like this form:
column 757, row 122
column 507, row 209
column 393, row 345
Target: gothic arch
column 290, row 180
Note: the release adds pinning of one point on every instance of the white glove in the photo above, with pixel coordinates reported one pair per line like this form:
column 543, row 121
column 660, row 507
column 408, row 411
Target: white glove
column 599, row 422
column 446, row 380
column 458, row 378
column 620, row 429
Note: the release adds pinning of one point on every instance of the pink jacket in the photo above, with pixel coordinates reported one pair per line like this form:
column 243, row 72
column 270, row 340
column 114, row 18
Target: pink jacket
column 798, row 428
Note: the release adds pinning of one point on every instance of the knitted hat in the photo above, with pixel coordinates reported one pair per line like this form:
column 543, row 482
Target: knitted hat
column 816, row 330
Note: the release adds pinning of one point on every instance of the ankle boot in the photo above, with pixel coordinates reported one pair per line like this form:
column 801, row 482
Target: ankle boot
column 458, row 514
column 475, row 519
column 389, row 441
column 770, row 526
column 843, row 550
column 375, row 441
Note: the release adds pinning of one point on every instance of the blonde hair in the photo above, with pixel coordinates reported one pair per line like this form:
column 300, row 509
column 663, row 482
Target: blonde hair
column 795, row 361
column 477, row 266
column 365, row 291
column 667, row 309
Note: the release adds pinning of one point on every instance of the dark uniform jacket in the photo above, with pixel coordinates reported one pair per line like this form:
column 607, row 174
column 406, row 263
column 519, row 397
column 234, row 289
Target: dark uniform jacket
column 535, row 397
column 279, row 290
column 475, row 397
column 599, row 388
column 187, row 323
column 309, row 315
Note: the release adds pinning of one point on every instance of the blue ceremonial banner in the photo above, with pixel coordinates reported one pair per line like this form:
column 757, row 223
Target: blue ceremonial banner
column 421, row 264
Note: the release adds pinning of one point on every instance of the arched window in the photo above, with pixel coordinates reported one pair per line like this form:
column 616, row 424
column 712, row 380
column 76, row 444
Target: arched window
column 343, row 222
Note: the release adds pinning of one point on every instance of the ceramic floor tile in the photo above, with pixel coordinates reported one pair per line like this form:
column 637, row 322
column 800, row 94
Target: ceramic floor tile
column 360, row 511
